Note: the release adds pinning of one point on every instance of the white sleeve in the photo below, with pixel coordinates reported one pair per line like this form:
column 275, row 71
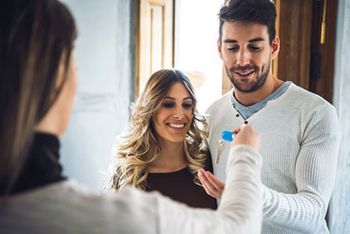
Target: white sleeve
column 240, row 210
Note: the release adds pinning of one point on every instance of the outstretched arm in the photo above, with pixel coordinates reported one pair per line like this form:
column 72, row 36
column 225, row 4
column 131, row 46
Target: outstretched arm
column 240, row 210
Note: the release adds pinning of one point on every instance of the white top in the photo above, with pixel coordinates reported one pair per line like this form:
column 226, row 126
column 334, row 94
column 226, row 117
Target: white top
column 67, row 207
column 300, row 137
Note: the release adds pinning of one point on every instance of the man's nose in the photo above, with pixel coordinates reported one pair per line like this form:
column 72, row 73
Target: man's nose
column 244, row 57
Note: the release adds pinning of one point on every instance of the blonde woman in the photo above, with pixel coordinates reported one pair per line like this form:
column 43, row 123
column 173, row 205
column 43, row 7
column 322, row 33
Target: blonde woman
column 165, row 147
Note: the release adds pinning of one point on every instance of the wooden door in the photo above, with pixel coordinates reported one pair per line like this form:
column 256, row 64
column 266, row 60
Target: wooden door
column 154, row 43
column 307, row 32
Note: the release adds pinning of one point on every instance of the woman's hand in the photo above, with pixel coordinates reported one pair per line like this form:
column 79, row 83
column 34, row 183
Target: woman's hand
column 245, row 135
column 211, row 184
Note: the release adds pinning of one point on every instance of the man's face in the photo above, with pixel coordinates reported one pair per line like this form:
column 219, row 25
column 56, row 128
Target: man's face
column 247, row 54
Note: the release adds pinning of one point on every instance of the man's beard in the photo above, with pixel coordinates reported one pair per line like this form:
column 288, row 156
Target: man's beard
column 260, row 81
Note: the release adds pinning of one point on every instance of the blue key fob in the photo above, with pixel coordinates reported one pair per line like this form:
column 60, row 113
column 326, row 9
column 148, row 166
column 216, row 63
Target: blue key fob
column 227, row 135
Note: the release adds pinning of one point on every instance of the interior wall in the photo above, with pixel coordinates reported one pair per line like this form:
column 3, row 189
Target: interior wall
column 339, row 221
column 105, row 87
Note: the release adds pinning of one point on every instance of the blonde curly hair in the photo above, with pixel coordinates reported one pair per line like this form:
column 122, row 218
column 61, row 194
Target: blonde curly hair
column 140, row 147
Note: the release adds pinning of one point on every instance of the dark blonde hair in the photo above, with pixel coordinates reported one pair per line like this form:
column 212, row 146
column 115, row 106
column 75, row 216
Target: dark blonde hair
column 140, row 147
column 34, row 36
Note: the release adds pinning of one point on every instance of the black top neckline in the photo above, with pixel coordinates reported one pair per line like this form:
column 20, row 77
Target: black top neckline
column 179, row 171
column 180, row 186
column 42, row 165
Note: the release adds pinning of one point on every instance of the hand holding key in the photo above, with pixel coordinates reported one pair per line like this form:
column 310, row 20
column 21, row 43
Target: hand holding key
column 245, row 135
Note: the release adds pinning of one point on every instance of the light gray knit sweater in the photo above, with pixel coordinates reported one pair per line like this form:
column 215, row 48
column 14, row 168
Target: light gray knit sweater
column 300, row 137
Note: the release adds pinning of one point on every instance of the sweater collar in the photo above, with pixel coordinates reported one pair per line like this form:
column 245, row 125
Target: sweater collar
column 42, row 165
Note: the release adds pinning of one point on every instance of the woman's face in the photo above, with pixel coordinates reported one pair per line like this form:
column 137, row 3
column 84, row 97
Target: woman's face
column 56, row 119
column 69, row 90
column 173, row 119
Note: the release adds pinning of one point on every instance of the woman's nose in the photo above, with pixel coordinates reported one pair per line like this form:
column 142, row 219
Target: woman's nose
column 178, row 113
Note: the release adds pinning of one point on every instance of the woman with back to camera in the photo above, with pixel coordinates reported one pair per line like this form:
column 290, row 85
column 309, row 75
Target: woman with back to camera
column 165, row 147
column 37, row 88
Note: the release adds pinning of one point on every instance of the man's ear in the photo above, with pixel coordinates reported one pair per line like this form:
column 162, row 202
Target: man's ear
column 275, row 47
column 218, row 43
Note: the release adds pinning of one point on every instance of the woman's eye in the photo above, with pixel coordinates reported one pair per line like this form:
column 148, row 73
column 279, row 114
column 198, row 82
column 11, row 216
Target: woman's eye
column 187, row 105
column 168, row 105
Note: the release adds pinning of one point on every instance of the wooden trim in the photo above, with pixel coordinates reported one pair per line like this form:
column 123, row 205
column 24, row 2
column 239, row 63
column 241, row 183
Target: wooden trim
column 295, row 34
column 305, row 41
column 137, row 50
column 329, row 50
column 155, row 40
column 324, row 84
column 275, row 61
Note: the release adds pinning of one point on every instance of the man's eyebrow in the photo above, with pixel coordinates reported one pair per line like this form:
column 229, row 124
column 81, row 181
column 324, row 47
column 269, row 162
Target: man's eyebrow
column 257, row 39
column 230, row 41
column 251, row 40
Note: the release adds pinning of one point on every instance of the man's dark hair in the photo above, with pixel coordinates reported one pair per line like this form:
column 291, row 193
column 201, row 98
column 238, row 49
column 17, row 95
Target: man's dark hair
column 257, row 11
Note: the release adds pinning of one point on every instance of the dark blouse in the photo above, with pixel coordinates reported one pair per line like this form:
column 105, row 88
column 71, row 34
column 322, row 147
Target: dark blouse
column 41, row 167
column 179, row 186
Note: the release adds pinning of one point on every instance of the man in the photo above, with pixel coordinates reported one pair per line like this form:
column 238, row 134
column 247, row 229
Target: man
column 299, row 130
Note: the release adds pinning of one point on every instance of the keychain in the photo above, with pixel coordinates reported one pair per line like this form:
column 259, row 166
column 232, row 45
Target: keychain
column 225, row 136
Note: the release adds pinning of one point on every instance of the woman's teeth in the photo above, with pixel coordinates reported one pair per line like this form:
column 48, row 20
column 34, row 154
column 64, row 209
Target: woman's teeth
column 177, row 125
